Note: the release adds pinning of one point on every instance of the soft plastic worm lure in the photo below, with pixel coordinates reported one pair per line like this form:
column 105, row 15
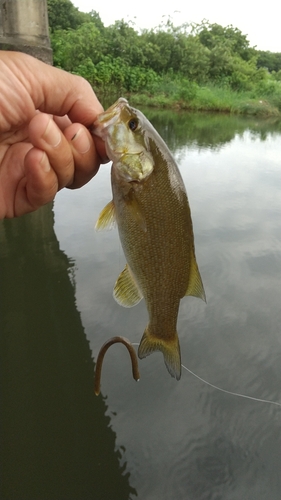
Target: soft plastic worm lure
column 104, row 348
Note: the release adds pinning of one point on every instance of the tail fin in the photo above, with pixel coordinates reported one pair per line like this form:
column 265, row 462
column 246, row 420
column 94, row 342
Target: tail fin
column 170, row 349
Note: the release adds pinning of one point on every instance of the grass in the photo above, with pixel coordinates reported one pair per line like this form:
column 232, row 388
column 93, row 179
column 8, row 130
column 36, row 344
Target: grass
column 255, row 102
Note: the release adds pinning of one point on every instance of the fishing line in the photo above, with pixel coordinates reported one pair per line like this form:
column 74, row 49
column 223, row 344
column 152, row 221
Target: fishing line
column 230, row 392
column 259, row 400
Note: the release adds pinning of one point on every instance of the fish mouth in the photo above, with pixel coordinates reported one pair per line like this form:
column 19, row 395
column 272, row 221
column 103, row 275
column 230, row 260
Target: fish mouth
column 108, row 118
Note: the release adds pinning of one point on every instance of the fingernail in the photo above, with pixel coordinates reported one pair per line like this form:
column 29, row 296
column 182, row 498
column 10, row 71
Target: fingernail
column 52, row 135
column 81, row 141
column 44, row 162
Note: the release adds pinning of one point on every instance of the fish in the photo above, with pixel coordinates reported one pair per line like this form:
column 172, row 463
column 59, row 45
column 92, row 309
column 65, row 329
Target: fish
column 150, row 206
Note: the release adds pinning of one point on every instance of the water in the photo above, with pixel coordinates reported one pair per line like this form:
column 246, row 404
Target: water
column 158, row 438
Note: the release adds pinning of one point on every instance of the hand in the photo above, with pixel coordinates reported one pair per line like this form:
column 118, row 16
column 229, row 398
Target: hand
column 44, row 141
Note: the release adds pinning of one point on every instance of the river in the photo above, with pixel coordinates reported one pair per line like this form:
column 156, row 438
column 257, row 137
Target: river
column 157, row 439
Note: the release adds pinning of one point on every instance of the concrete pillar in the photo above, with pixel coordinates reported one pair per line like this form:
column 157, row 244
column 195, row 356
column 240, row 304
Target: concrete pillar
column 24, row 27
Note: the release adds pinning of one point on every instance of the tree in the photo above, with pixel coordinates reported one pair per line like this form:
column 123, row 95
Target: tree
column 121, row 40
column 231, row 38
column 195, row 62
column 63, row 15
column 269, row 60
column 72, row 48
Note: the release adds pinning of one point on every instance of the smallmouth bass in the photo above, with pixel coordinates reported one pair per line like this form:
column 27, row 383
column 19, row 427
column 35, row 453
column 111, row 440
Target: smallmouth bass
column 151, row 208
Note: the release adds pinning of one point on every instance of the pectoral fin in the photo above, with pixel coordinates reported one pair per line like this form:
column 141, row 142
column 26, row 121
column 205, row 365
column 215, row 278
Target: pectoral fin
column 126, row 291
column 106, row 218
column 195, row 285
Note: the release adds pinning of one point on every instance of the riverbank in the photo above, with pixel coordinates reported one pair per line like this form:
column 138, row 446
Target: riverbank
column 199, row 67
column 211, row 98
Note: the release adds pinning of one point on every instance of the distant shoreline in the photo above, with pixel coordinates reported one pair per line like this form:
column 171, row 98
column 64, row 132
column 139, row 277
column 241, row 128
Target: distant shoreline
column 211, row 99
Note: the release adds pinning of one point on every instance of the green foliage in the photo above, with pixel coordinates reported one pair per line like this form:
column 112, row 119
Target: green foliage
column 256, row 107
column 196, row 65
column 71, row 48
column 121, row 40
column 63, row 15
column 269, row 60
column 232, row 39
column 276, row 75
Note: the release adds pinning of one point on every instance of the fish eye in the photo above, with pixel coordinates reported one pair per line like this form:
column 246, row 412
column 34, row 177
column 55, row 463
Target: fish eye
column 133, row 124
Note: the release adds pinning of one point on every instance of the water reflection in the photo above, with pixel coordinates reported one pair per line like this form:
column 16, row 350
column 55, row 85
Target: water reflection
column 56, row 440
column 208, row 130
column 177, row 439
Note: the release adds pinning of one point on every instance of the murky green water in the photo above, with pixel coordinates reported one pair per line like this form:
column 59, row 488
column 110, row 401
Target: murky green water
column 156, row 439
